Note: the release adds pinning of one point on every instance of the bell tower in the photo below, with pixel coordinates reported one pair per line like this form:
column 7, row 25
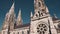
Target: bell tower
column 41, row 21
column 39, row 8
column 9, row 21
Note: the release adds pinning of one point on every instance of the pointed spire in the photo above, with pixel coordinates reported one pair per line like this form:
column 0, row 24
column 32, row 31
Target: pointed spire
column 11, row 9
column 19, row 15
column 47, row 11
column 19, row 19
column 55, row 16
column 31, row 14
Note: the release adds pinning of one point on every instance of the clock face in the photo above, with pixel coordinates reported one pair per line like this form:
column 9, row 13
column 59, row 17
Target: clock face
column 41, row 28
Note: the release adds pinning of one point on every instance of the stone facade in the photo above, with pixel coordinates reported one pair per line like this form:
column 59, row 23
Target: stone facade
column 40, row 23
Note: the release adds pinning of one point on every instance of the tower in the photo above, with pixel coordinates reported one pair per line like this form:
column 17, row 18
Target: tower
column 9, row 21
column 40, row 8
column 5, row 24
column 41, row 22
column 19, row 19
column 11, row 17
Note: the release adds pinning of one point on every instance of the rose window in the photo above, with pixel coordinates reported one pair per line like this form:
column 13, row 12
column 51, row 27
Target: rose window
column 42, row 28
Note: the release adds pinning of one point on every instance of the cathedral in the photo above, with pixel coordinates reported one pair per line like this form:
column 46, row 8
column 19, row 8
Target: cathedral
column 41, row 21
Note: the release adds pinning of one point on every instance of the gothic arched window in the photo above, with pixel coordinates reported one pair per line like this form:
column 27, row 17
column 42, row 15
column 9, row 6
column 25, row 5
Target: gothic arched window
column 36, row 15
column 18, row 32
column 39, row 13
column 27, row 31
column 42, row 14
column 43, row 10
column 22, row 32
column 39, row 4
column 59, row 25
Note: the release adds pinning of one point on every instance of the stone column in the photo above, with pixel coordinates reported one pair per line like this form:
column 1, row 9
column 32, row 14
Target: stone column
column 53, row 30
column 16, row 32
column 20, row 32
column 25, row 31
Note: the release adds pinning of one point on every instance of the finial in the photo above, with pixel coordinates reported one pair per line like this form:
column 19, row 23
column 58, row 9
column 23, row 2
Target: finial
column 31, row 14
column 55, row 16
column 19, row 15
column 11, row 9
column 47, row 11
column 19, row 19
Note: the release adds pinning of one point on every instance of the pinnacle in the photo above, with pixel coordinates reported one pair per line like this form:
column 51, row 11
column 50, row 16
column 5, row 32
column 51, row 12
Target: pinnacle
column 19, row 19
column 31, row 14
column 11, row 9
column 55, row 16
column 19, row 14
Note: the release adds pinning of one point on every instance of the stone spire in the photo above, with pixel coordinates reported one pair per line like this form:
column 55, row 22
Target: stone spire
column 31, row 14
column 11, row 17
column 19, row 19
column 47, row 11
column 55, row 16
column 11, row 11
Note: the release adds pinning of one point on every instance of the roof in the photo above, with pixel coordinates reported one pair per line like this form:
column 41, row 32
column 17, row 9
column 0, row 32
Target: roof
column 53, row 18
column 24, row 25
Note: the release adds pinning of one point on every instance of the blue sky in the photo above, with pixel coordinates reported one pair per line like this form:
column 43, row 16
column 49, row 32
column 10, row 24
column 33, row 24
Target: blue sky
column 26, row 7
